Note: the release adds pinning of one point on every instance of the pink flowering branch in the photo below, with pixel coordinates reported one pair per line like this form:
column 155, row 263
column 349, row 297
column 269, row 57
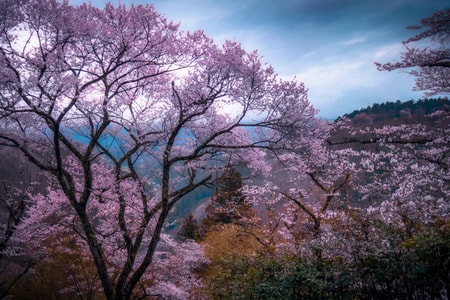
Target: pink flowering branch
column 431, row 64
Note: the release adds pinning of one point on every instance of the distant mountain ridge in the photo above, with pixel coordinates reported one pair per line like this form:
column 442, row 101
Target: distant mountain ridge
column 394, row 113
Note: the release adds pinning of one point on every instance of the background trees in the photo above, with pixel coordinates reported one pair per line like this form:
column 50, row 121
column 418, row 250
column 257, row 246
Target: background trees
column 367, row 216
column 126, row 115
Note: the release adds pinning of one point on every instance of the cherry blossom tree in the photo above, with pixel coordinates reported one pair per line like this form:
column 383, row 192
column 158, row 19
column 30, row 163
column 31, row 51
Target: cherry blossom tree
column 126, row 115
column 311, row 183
column 406, row 172
column 188, row 259
column 407, row 160
column 361, row 211
column 427, row 55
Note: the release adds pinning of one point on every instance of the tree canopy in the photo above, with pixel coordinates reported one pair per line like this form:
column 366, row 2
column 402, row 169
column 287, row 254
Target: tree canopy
column 126, row 115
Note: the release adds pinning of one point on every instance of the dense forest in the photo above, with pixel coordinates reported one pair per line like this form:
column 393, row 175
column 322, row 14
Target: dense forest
column 125, row 174
column 390, row 113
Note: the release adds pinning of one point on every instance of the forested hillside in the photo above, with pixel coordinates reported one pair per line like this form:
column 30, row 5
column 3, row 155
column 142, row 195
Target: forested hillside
column 397, row 112
column 378, row 115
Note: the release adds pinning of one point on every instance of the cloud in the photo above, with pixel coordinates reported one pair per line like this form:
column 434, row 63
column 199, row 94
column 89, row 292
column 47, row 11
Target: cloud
column 389, row 52
column 353, row 41
column 327, row 83
column 349, row 82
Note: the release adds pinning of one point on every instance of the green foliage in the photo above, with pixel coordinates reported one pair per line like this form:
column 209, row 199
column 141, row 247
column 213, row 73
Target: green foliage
column 265, row 277
column 416, row 268
column 190, row 229
column 399, row 110
column 228, row 204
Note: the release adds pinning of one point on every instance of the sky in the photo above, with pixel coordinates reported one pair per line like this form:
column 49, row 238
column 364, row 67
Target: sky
column 330, row 45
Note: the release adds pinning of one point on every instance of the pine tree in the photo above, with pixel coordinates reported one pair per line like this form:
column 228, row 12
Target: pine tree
column 190, row 229
column 228, row 204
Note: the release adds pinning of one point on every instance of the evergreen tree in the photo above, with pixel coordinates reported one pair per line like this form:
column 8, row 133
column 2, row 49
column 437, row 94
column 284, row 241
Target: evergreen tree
column 228, row 204
column 190, row 229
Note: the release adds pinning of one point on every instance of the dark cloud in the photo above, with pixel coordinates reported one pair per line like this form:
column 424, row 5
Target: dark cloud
column 329, row 14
